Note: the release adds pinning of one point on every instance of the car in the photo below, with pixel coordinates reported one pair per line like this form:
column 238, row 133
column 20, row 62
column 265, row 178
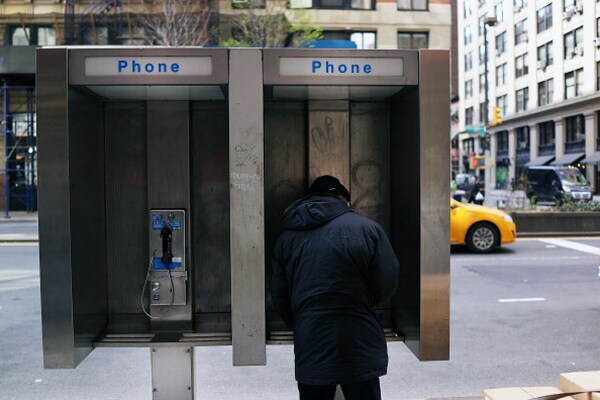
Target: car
column 557, row 184
column 482, row 229
column 464, row 181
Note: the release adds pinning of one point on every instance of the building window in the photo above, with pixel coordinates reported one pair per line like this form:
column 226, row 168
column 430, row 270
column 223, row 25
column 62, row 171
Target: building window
column 545, row 92
column 468, row 34
column 501, row 103
column 570, row 5
column 32, row 36
column 521, row 31
column 469, row 89
column 598, row 75
column 339, row 4
column 420, row 5
column 546, row 138
column 573, row 43
column 481, row 83
column 500, row 43
column 96, row 35
column 482, row 24
column 482, row 53
column 520, row 4
column 467, row 11
column 575, row 129
column 522, row 138
column 522, row 96
column 502, row 141
column 573, row 83
column 362, row 40
column 500, row 11
column 468, row 61
column 544, row 18
column 521, row 66
column 545, row 55
column 501, row 75
column 469, row 116
column 483, row 113
column 413, row 40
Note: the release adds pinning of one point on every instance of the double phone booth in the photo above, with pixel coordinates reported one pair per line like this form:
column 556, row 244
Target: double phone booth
column 164, row 174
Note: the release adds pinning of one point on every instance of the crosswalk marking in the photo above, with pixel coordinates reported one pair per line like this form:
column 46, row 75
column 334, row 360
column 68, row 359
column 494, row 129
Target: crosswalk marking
column 584, row 248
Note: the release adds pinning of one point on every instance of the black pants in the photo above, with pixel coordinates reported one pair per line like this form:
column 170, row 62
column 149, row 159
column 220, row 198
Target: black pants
column 366, row 390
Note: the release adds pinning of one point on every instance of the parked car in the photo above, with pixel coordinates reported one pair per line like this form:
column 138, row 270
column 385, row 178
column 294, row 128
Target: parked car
column 481, row 229
column 557, row 185
column 464, row 181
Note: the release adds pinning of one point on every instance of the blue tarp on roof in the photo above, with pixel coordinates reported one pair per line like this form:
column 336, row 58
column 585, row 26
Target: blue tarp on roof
column 333, row 44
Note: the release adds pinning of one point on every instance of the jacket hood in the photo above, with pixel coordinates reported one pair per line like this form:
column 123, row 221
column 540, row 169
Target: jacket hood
column 313, row 211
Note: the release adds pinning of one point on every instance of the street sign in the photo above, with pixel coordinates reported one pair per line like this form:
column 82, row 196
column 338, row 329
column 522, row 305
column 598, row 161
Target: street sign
column 475, row 129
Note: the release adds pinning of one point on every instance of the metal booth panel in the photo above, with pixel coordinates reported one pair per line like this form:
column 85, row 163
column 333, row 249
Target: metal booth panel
column 285, row 178
column 420, row 216
column 126, row 228
column 246, row 185
column 210, row 216
column 370, row 160
column 71, row 214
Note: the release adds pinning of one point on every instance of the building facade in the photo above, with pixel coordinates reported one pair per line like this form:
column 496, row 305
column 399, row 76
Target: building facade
column 26, row 24
column 543, row 74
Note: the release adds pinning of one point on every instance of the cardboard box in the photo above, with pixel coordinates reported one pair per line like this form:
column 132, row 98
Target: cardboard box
column 520, row 393
column 579, row 382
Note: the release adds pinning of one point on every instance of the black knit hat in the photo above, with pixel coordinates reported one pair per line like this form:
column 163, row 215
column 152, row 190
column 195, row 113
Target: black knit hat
column 329, row 184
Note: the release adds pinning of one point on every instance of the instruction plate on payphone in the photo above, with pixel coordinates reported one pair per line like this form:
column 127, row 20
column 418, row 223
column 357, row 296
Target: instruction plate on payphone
column 168, row 270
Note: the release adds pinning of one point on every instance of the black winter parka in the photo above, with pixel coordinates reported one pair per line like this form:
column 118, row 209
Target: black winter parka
column 330, row 267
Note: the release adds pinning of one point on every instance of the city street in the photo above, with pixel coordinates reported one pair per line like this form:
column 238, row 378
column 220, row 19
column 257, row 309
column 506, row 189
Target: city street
column 520, row 317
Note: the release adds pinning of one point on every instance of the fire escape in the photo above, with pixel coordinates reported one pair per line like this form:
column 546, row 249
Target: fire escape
column 82, row 27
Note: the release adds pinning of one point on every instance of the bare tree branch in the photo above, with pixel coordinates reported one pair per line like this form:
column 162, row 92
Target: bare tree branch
column 176, row 23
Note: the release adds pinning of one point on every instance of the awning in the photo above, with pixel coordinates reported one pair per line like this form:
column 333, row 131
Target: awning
column 593, row 159
column 568, row 159
column 544, row 160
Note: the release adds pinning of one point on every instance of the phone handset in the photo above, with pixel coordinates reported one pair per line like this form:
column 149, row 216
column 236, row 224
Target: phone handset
column 166, row 233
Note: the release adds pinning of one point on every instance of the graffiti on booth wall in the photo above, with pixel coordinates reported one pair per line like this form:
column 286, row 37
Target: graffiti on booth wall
column 367, row 189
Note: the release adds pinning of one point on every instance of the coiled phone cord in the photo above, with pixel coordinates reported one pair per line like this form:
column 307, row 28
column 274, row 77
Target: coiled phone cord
column 144, row 292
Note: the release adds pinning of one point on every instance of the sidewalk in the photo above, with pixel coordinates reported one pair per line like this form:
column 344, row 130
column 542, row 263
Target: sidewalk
column 20, row 227
column 19, row 216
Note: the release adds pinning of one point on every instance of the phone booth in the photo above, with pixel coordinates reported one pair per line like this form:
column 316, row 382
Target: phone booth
column 378, row 121
column 164, row 173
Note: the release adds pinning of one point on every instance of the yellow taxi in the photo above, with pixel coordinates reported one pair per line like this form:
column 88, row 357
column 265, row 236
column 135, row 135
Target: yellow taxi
column 481, row 228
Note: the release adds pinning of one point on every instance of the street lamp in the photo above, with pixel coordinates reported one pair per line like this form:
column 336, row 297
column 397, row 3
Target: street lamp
column 489, row 21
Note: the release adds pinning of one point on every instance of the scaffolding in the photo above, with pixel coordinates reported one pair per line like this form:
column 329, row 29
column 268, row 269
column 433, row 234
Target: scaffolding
column 19, row 175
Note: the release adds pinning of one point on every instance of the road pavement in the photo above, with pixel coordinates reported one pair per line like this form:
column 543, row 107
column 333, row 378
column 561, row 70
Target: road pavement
column 519, row 317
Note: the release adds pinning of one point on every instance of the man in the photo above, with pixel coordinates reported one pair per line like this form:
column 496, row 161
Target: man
column 331, row 266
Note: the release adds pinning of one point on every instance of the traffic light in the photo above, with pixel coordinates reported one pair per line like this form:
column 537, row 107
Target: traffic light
column 478, row 162
column 496, row 116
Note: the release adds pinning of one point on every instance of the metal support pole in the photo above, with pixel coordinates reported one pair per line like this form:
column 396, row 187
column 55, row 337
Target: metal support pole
column 172, row 373
column 5, row 132
column 486, row 152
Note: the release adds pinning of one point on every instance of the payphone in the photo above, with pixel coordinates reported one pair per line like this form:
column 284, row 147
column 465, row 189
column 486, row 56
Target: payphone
column 238, row 134
column 167, row 274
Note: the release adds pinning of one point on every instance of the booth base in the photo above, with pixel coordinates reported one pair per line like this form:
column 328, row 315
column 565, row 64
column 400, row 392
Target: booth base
column 193, row 339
